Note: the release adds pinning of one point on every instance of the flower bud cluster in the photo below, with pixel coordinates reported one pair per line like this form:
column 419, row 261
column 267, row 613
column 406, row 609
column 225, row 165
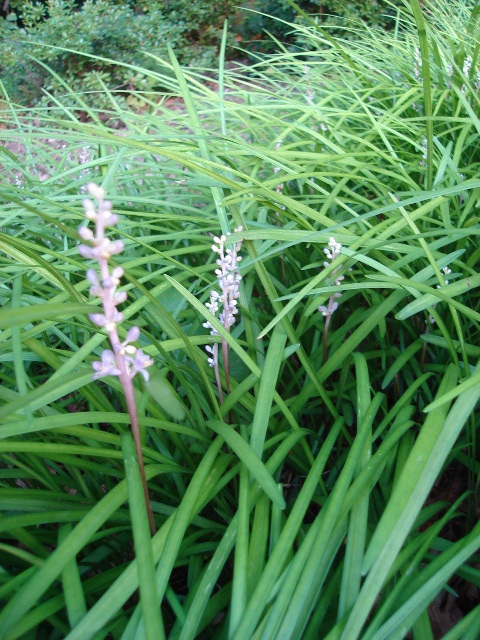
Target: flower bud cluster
column 124, row 358
column 332, row 252
column 228, row 277
column 310, row 93
column 466, row 72
column 446, row 272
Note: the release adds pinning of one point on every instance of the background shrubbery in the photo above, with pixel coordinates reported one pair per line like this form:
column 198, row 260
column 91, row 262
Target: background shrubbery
column 121, row 31
column 108, row 29
column 274, row 17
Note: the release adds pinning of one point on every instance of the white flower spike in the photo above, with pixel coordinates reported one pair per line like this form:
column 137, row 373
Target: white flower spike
column 224, row 304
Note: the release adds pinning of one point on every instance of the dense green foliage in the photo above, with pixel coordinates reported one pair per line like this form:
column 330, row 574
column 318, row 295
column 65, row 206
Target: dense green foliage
column 119, row 32
column 115, row 31
column 334, row 493
column 273, row 18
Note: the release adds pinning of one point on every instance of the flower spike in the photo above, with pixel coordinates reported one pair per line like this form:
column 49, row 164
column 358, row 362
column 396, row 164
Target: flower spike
column 224, row 303
column 104, row 286
column 123, row 360
column 332, row 252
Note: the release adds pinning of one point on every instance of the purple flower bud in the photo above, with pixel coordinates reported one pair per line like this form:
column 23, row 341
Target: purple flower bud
column 111, row 283
column 89, row 209
column 98, row 318
column 119, row 297
column 118, row 317
column 92, row 277
column 95, row 191
column 97, row 291
column 87, row 252
column 133, row 334
column 114, row 279
column 110, row 220
column 107, row 249
column 85, row 233
column 116, row 247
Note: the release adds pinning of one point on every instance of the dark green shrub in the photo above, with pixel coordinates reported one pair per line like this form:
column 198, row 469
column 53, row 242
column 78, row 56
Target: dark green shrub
column 100, row 28
column 272, row 16
column 120, row 31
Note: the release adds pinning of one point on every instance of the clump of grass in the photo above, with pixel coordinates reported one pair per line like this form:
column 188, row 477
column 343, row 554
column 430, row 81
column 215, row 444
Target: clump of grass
column 379, row 152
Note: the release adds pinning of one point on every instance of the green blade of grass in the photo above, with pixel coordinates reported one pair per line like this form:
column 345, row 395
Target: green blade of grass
column 296, row 600
column 25, row 315
column 357, row 525
column 187, row 509
column 119, row 591
column 220, row 557
column 72, row 583
column 268, row 382
column 470, row 383
column 467, row 628
column 253, row 463
column 240, row 567
column 217, row 192
column 442, row 568
column 276, row 562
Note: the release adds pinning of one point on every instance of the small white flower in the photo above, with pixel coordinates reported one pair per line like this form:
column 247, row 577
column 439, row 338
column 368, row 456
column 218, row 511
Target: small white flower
column 107, row 366
column 95, row 191
column 446, row 272
column 86, row 234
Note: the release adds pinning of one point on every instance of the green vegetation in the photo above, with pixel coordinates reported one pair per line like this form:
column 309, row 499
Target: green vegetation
column 104, row 31
column 107, row 32
column 333, row 493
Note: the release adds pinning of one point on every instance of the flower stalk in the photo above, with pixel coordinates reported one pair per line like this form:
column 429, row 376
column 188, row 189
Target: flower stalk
column 124, row 360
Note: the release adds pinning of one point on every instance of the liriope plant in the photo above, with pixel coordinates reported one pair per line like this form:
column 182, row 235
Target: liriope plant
column 362, row 547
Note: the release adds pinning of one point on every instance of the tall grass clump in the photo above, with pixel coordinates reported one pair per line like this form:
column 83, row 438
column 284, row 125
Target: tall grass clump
column 322, row 480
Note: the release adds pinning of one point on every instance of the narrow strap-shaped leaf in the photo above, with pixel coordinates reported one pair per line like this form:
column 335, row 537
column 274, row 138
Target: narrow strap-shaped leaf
column 25, row 315
column 268, row 382
column 149, row 600
column 253, row 463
